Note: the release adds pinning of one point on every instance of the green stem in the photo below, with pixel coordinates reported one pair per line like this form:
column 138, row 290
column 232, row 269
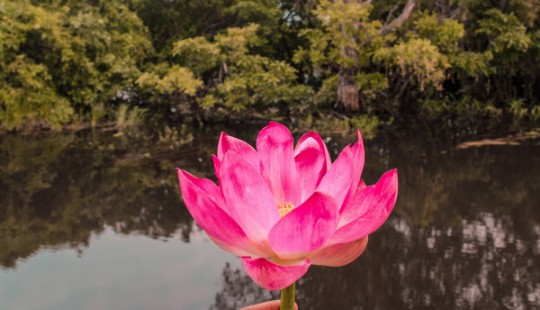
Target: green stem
column 287, row 298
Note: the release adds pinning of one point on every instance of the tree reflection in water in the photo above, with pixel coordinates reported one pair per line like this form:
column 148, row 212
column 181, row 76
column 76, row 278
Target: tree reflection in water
column 484, row 265
column 240, row 291
column 465, row 233
column 57, row 190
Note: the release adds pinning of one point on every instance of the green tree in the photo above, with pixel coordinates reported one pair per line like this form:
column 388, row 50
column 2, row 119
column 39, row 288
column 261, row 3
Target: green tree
column 225, row 77
column 61, row 57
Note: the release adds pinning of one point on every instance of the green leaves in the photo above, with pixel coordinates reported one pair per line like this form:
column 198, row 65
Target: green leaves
column 78, row 61
column 176, row 79
column 60, row 58
column 371, row 83
column 349, row 31
column 239, row 80
column 416, row 57
column 197, row 54
column 504, row 31
column 442, row 32
column 28, row 98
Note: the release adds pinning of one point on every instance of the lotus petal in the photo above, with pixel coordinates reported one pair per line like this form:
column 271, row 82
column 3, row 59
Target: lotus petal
column 275, row 148
column 272, row 276
column 338, row 180
column 246, row 151
column 368, row 209
column 341, row 254
column 200, row 199
column 248, row 197
column 305, row 229
column 357, row 166
column 312, row 161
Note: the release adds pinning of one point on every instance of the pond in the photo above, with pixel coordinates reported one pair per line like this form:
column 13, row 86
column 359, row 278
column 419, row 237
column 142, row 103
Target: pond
column 93, row 220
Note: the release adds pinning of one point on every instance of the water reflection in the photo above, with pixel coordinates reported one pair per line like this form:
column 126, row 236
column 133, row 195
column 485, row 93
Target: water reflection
column 116, row 271
column 57, row 190
column 239, row 290
column 465, row 233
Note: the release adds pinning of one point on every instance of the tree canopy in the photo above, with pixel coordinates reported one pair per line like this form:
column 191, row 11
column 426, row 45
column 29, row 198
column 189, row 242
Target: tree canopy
column 69, row 62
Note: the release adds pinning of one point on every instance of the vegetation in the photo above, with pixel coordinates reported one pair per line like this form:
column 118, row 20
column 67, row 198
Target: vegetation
column 54, row 192
column 344, row 62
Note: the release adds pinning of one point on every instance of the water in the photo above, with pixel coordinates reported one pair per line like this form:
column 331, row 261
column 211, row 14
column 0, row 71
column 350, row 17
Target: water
column 95, row 221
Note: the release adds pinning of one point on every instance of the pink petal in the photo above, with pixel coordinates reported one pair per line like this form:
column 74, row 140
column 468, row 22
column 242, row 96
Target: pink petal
column 337, row 255
column 339, row 179
column 368, row 209
column 361, row 185
column 250, row 249
column 202, row 198
column 217, row 165
column 209, row 188
column 358, row 165
column 312, row 160
column 228, row 143
column 275, row 148
column 248, row 197
column 305, row 229
column 359, row 154
column 271, row 276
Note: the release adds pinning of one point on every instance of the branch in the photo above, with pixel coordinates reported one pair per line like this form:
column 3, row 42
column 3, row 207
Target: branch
column 391, row 13
column 398, row 21
column 366, row 2
column 454, row 13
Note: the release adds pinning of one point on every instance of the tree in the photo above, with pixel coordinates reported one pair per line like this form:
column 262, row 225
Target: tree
column 62, row 57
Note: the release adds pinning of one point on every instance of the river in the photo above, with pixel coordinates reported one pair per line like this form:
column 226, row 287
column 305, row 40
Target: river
column 94, row 220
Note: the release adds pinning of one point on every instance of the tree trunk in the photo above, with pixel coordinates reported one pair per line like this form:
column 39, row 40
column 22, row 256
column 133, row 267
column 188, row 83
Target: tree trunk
column 398, row 21
column 348, row 92
column 347, row 89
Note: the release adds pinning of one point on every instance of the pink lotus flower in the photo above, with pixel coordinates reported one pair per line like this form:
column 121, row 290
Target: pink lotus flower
column 283, row 209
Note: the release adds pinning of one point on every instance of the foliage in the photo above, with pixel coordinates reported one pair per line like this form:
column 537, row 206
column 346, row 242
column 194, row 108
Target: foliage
column 238, row 79
column 70, row 171
column 417, row 58
column 467, row 113
column 332, row 125
column 173, row 79
column 61, row 57
column 67, row 61
column 344, row 44
column 128, row 117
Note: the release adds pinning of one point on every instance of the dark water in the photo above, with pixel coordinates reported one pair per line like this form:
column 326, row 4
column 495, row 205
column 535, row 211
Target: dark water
column 95, row 221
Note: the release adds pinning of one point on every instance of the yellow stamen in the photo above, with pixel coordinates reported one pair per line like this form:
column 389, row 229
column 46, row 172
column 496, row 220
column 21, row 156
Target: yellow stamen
column 284, row 208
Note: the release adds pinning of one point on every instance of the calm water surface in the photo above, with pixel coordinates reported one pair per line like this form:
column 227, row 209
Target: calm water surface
column 95, row 221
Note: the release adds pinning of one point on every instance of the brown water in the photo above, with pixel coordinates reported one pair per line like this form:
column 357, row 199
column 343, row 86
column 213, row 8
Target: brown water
column 95, row 221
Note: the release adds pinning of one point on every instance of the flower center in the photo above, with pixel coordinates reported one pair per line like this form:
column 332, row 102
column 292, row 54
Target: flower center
column 284, row 208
